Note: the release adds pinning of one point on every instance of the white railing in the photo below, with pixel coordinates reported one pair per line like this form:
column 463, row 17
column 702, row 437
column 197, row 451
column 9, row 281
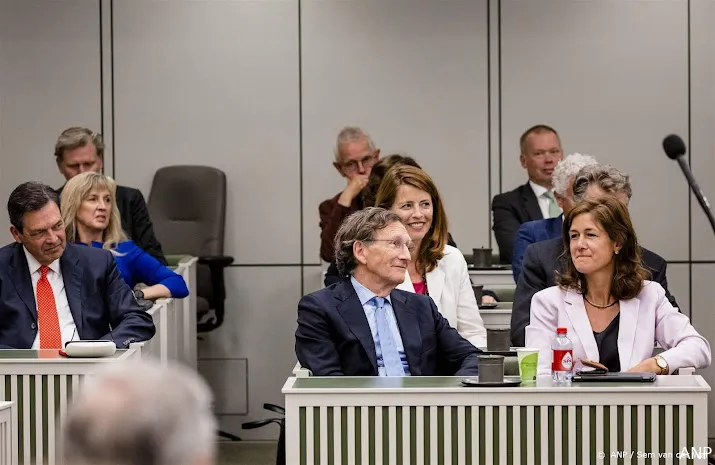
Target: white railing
column 42, row 383
column 8, row 451
column 187, row 346
column 437, row 420
column 175, row 322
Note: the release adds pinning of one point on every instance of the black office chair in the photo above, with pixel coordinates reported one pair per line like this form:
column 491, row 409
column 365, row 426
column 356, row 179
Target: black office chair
column 281, row 452
column 187, row 205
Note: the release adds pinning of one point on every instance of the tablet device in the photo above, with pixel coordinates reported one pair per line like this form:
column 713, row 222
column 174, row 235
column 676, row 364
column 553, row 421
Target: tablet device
column 597, row 377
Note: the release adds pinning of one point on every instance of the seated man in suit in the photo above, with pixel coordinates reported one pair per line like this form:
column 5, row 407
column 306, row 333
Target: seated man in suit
column 544, row 259
column 549, row 228
column 80, row 149
column 362, row 325
column 355, row 155
column 52, row 292
column 540, row 151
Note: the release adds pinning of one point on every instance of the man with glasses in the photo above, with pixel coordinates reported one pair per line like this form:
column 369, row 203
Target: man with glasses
column 355, row 155
column 363, row 326
column 52, row 292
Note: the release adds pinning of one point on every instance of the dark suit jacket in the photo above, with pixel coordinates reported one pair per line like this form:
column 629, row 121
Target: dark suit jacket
column 510, row 209
column 97, row 295
column 539, row 272
column 529, row 233
column 136, row 221
column 334, row 338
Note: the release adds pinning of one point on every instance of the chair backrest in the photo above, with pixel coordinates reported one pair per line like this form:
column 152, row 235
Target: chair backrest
column 187, row 205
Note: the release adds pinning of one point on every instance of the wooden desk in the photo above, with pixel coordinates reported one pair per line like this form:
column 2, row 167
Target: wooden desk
column 41, row 384
column 437, row 420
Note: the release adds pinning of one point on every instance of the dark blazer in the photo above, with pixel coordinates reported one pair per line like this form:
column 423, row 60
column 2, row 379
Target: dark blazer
column 136, row 221
column 333, row 336
column 510, row 209
column 97, row 295
column 541, row 261
column 529, row 233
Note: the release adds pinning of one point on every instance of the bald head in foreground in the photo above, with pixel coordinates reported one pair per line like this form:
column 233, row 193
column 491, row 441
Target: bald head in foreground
column 141, row 413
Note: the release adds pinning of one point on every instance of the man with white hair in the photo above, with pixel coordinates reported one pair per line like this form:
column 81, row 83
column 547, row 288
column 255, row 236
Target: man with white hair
column 549, row 228
column 141, row 413
column 355, row 155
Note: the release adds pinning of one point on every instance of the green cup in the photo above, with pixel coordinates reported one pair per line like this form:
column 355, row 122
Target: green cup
column 528, row 362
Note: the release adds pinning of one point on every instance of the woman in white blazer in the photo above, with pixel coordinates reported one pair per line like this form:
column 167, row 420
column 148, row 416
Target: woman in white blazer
column 436, row 269
column 613, row 314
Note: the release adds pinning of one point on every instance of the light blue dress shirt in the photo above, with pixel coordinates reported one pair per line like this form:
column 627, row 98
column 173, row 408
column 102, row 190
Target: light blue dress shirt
column 365, row 296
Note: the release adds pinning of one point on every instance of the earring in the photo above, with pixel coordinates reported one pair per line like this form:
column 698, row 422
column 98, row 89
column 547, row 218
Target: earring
column 616, row 251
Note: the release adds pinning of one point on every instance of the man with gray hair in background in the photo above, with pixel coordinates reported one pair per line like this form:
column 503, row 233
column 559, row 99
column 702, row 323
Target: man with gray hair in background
column 544, row 259
column 355, row 155
column 549, row 228
column 141, row 413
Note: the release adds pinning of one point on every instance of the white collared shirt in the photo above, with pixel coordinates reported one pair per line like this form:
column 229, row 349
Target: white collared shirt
column 539, row 191
column 54, row 276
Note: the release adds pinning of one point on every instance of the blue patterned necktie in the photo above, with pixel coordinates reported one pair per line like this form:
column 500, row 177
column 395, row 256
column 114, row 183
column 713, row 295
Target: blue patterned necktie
column 390, row 354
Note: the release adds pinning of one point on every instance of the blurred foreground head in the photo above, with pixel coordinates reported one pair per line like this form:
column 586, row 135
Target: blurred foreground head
column 141, row 413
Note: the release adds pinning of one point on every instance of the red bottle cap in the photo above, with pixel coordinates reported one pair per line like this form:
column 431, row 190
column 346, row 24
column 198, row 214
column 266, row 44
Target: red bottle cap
column 561, row 331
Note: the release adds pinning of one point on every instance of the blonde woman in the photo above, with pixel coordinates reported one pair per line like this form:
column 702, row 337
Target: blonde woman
column 91, row 217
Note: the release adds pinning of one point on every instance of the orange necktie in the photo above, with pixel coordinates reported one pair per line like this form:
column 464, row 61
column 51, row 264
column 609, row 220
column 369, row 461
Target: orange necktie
column 50, row 336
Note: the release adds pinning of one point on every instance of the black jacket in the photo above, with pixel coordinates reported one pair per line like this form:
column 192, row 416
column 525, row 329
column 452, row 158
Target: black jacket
column 136, row 221
column 541, row 261
column 510, row 210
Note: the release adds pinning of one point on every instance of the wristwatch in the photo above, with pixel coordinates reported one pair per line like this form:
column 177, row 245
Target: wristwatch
column 662, row 364
column 138, row 294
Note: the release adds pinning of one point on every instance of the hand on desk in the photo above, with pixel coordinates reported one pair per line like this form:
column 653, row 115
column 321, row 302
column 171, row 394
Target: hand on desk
column 487, row 299
column 648, row 365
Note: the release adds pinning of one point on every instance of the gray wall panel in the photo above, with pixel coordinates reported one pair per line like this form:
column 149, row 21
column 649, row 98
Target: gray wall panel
column 49, row 80
column 215, row 83
column 611, row 91
column 413, row 75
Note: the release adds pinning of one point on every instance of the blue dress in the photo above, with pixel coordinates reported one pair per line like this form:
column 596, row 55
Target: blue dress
column 137, row 266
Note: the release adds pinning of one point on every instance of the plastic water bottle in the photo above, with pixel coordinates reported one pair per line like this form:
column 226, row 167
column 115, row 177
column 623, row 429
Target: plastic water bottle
column 562, row 357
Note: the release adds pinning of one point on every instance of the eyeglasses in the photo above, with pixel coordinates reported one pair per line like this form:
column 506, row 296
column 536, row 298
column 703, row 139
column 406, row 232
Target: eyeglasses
column 366, row 162
column 396, row 244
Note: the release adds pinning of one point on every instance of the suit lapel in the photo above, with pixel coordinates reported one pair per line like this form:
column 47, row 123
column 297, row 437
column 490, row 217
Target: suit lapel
column 627, row 331
column 19, row 274
column 531, row 204
column 576, row 312
column 72, row 277
column 354, row 315
column 435, row 283
column 409, row 331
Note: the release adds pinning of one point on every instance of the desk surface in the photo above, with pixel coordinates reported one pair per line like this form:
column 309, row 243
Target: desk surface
column 447, row 384
column 50, row 356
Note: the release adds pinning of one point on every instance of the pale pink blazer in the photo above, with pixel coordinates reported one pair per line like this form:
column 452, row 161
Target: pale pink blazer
column 645, row 320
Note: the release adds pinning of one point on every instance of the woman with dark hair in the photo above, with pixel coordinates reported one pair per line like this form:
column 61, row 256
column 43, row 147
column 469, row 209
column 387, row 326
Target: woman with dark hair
column 613, row 313
column 436, row 268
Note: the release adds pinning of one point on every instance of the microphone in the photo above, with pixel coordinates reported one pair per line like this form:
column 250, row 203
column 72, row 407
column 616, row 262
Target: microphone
column 674, row 147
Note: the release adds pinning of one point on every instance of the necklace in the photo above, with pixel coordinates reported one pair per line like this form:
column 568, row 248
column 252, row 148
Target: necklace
column 599, row 306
